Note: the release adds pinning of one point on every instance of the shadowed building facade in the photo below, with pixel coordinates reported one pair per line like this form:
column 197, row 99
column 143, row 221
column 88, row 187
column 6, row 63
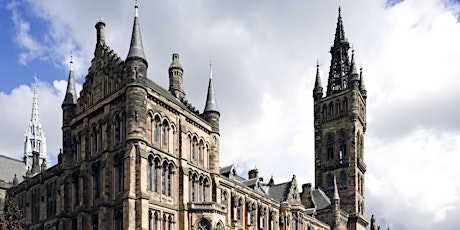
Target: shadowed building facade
column 138, row 156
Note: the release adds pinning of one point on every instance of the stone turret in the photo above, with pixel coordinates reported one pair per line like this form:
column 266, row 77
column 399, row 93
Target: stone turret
column 318, row 90
column 136, row 73
column 100, row 32
column 335, row 205
column 212, row 115
column 68, row 113
column 176, row 86
column 135, row 61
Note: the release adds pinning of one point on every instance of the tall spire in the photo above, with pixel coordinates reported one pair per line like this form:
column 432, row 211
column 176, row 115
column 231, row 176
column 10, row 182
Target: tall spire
column 35, row 141
column 71, row 94
column 211, row 103
column 340, row 64
column 136, row 49
column 339, row 31
column 34, row 117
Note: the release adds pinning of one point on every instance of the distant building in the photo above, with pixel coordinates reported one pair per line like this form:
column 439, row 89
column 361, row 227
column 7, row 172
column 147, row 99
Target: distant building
column 12, row 172
column 137, row 156
column 35, row 141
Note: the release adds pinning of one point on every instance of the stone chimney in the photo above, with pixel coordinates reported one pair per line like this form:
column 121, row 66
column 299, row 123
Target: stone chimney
column 253, row 173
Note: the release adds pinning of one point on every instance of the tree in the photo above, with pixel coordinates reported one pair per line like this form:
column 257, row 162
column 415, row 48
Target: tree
column 12, row 219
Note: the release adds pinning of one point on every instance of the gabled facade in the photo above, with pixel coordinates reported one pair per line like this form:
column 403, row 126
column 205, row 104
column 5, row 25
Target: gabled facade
column 138, row 156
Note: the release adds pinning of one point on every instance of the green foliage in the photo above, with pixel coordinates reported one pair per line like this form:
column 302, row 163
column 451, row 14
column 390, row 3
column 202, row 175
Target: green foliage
column 12, row 219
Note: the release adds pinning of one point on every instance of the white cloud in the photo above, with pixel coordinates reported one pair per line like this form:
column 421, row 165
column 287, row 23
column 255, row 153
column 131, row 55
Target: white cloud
column 263, row 54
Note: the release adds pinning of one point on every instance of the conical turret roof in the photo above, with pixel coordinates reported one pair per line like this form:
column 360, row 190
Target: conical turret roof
column 136, row 49
column 211, row 103
column 71, row 93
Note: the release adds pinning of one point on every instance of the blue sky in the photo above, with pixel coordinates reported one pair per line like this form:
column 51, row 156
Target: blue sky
column 12, row 71
column 264, row 56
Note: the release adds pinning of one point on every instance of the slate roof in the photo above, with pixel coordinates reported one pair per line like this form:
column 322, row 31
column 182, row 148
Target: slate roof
column 279, row 192
column 226, row 170
column 320, row 199
column 9, row 167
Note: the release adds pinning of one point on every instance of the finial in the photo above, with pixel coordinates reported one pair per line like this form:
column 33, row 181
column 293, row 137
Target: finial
column 136, row 8
column 340, row 11
column 71, row 61
column 210, row 69
column 317, row 64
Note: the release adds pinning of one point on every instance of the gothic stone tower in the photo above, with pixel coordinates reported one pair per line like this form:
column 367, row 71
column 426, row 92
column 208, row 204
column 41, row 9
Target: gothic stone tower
column 340, row 124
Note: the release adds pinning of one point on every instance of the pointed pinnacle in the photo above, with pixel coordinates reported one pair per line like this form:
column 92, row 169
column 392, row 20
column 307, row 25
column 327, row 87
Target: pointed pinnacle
column 354, row 71
column 336, row 192
column 211, row 102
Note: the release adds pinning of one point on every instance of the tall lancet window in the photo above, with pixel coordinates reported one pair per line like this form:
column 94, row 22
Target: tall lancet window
column 155, row 129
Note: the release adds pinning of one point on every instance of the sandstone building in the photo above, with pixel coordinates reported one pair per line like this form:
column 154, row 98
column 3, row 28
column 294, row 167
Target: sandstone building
column 138, row 156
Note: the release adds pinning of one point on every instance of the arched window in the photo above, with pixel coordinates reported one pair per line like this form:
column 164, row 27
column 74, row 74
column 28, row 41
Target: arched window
column 251, row 211
column 271, row 220
column 343, row 180
column 94, row 139
column 330, row 147
column 205, row 185
column 199, row 190
column 77, row 148
column 150, row 220
column 155, row 175
column 337, row 107
column 168, row 184
column 164, row 175
column 155, row 129
column 164, row 222
column 194, row 146
column 164, row 134
column 360, row 146
column 95, row 222
column 76, row 189
column 238, row 209
column 342, row 147
column 118, row 220
column 170, row 221
column 150, row 167
column 96, row 183
column 122, row 127
column 99, row 138
column 192, row 187
column 199, row 153
column 119, row 175
column 223, row 198
column 331, row 109
column 345, row 104
column 116, row 129
column 155, row 221
column 294, row 223
column 324, row 111
column 262, row 211
column 204, row 225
